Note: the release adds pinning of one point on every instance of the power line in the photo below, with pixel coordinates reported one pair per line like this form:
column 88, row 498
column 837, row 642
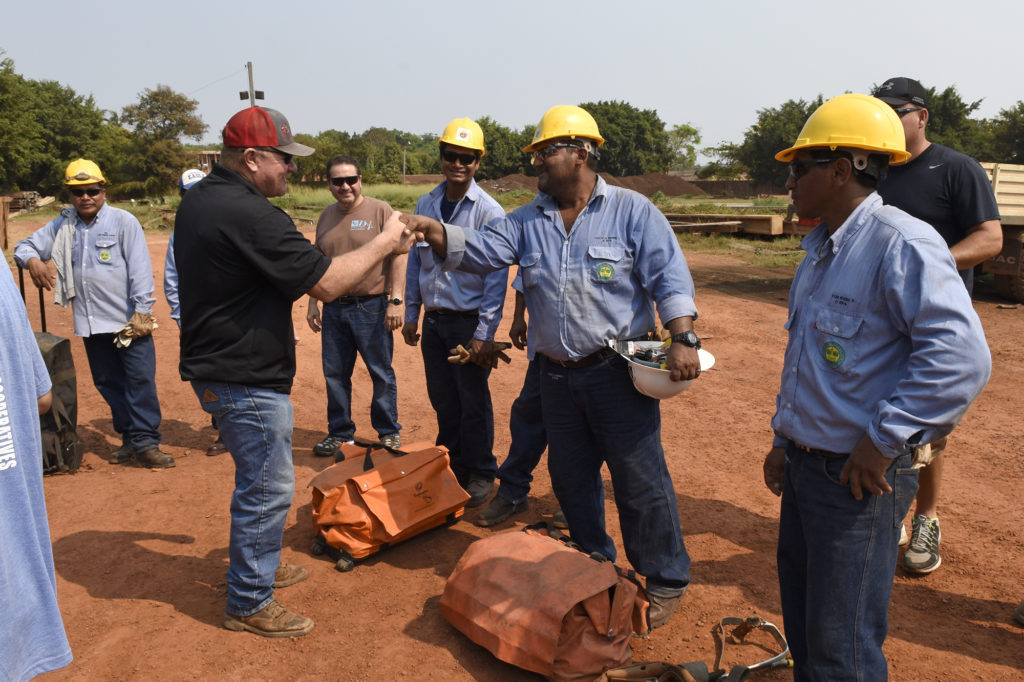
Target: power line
column 233, row 73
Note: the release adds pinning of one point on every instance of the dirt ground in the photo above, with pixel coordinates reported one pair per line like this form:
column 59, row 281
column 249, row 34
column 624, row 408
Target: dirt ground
column 141, row 555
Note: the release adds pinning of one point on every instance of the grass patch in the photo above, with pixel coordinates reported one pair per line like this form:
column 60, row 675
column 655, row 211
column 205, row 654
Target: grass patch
column 768, row 252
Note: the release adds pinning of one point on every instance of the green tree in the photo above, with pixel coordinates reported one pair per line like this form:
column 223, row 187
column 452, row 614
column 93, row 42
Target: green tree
column 504, row 151
column 776, row 129
column 635, row 140
column 162, row 114
column 950, row 123
column 1008, row 136
column 683, row 140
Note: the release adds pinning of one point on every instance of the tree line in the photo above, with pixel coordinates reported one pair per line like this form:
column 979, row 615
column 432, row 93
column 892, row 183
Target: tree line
column 143, row 148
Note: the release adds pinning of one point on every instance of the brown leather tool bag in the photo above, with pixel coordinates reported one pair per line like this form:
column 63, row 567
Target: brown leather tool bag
column 534, row 600
column 382, row 496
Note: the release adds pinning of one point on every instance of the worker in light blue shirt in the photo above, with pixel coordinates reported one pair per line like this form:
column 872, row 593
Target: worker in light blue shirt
column 462, row 308
column 595, row 261
column 885, row 352
column 103, row 270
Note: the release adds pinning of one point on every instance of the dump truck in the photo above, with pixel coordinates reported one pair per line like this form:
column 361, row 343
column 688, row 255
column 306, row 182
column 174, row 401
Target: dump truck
column 1008, row 184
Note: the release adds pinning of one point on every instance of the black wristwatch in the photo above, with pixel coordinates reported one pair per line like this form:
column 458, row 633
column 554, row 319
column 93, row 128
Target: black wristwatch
column 395, row 301
column 687, row 339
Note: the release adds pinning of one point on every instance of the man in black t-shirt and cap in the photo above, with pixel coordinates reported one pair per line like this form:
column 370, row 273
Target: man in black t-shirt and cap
column 242, row 264
column 951, row 192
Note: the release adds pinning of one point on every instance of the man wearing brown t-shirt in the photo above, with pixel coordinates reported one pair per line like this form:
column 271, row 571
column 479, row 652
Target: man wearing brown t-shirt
column 361, row 321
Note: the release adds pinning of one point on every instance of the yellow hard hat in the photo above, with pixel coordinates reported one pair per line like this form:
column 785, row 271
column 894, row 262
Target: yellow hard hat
column 855, row 122
column 464, row 132
column 565, row 120
column 83, row 172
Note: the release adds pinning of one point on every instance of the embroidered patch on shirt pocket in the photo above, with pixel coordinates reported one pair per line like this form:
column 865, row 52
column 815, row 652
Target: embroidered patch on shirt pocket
column 606, row 262
column 837, row 342
column 106, row 251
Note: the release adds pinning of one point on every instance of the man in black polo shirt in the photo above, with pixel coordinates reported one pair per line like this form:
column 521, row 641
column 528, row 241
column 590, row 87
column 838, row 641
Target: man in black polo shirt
column 242, row 264
column 949, row 191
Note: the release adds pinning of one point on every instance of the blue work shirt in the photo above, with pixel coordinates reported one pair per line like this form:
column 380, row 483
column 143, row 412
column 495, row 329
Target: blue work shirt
column 110, row 265
column 883, row 338
column 599, row 282
column 427, row 284
column 171, row 282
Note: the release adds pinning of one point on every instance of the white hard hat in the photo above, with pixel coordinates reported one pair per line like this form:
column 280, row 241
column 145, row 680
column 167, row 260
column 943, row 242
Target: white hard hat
column 655, row 382
column 189, row 178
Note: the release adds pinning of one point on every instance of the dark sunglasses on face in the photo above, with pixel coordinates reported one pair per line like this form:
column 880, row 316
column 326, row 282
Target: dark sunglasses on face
column 465, row 159
column 906, row 110
column 552, row 149
column 93, row 191
column 801, row 167
column 349, row 180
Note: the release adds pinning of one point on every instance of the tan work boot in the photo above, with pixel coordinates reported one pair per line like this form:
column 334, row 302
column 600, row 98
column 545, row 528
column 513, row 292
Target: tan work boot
column 153, row 458
column 289, row 574
column 662, row 608
column 273, row 621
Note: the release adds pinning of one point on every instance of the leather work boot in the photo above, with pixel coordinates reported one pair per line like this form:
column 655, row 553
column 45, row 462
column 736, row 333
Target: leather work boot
column 154, row 459
column 479, row 490
column 217, row 447
column 662, row 608
column 273, row 621
column 289, row 574
column 499, row 510
column 122, row 455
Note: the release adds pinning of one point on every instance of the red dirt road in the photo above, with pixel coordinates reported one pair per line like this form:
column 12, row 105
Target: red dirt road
column 141, row 555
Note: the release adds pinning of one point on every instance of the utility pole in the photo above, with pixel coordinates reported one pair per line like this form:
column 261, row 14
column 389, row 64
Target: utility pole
column 250, row 94
column 404, row 148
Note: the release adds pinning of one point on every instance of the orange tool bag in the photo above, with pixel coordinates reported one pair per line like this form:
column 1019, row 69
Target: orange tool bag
column 534, row 600
column 378, row 496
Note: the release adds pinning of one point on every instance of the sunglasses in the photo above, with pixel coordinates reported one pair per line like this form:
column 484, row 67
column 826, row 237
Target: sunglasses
column 349, row 180
column 465, row 159
column 906, row 110
column 93, row 191
column 286, row 158
column 552, row 149
column 802, row 167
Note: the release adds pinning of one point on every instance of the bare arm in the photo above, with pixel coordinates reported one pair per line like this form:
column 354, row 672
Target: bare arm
column 517, row 332
column 395, row 315
column 983, row 241
column 433, row 232
column 44, row 401
column 682, row 360
column 313, row 315
column 349, row 269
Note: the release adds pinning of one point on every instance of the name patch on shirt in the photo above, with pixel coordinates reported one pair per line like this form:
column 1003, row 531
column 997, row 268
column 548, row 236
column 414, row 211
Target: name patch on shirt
column 360, row 225
column 604, row 272
column 834, row 354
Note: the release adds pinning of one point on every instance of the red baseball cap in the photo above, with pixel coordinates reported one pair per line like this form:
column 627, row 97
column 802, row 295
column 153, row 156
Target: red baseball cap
column 262, row 127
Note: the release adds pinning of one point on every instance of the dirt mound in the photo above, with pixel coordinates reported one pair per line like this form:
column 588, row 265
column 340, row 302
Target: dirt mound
column 648, row 185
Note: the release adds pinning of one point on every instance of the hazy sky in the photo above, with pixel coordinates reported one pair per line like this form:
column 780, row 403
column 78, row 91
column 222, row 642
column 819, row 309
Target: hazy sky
column 415, row 65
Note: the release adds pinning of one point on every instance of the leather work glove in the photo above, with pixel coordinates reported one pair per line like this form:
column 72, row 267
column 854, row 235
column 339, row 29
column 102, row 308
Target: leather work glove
column 140, row 324
column 461, row 356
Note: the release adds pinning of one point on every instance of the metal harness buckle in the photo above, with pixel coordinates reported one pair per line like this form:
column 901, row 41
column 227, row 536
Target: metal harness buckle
column 743, row 627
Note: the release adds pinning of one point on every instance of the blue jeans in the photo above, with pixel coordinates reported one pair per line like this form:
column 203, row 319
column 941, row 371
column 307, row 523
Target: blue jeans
column 594, row 415
column 256, row 427
column 837, row 560
column 460, row 397
column 351, row 327
column 126, row 378
column 529, row 439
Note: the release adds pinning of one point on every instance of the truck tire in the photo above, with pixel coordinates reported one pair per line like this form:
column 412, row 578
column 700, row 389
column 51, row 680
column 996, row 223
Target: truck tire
column 1011, row 287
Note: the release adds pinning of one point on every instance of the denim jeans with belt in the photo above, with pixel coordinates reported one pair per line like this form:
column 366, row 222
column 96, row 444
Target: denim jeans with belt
column 529, row 439
column 348, row 328
column 837, row 560
column 460, row 396
column 126, row 378
column 256, row 427
column 594, row 415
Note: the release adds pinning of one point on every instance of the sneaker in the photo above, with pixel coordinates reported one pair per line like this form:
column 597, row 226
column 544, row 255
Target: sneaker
column 328, row 447
column 273, row 621
column 499, row 510
column 662, row 608
column 923, row 554
column 1018, row 613
column 559, row 520
column 904, row 538
column 154, row 459
column 392, row 440
column 289, row 574
column 217, row 447
column 479, row 490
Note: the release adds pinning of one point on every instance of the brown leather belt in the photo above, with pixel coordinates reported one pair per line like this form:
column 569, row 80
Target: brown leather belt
column 592, row 359
column 816, row 451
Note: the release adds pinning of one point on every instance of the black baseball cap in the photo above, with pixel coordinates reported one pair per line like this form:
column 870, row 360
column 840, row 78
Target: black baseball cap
column 902, row 90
